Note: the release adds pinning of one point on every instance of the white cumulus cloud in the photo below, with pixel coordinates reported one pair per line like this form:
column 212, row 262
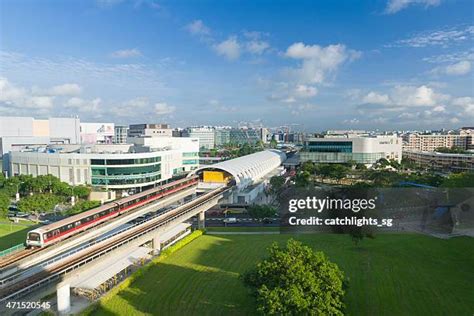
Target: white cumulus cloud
column 257, row 47
column 229, row 48
column 317, row 61
column 162, row 108
column 460, row 68
column 376, row 98
column 304, row 91
column 197, row 27
column 66, row 89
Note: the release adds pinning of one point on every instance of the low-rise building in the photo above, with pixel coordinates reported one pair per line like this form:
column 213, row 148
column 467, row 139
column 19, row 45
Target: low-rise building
column 20, row 133
column 120, row 134
column 97, row 133
column 430, row 142
column 442, row 161
column 127, row 167
column 342, row 149
column 206, row 136
column 468, row 132
column 153, row 130
column 243, row 136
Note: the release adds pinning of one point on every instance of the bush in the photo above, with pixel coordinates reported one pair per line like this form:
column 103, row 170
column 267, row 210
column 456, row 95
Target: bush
column 295, row 280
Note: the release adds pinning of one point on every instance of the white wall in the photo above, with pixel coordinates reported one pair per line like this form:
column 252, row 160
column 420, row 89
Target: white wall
column 65, row 128
column 16, row 126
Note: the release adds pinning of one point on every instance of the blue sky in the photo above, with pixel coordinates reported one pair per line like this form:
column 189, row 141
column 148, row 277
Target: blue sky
column 387, row 64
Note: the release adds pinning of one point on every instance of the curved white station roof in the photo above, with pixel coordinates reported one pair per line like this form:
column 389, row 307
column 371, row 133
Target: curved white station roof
column 249, row 168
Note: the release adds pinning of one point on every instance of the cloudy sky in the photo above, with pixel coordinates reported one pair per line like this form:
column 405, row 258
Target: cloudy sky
column 387, row 64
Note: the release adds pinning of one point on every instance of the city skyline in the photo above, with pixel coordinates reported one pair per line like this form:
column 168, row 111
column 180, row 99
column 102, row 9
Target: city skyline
column 372, row 65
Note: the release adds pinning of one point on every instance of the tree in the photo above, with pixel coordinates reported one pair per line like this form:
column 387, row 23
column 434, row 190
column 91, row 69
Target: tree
column 302, row 179
column 38, row 203
column 261, row 212
column 459, row 180
column 308, row 166
column 296, row 280
column 452, row 150
column 338, row 172
column 352, row 164
column 4, row 204
column 383, row 178
column 82, row 206
column 82, row 191
column 395, row 164
column 408, row 164
column 273, row 143
column 324, row 170
column 382, row 163
column 276, row 184
column 2, row 179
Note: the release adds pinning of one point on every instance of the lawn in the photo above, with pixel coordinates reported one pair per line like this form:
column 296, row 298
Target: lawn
column 392, row 275
column 12, row 235
column 244, row 229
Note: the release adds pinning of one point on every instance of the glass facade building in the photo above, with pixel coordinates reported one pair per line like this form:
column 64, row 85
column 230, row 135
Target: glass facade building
column 328, row 147
column 365, row 150
column 244, row 136
column 340, row 157
column 116, row 172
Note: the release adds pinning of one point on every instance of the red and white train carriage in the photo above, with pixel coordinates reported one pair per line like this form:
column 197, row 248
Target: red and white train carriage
column 52, row 233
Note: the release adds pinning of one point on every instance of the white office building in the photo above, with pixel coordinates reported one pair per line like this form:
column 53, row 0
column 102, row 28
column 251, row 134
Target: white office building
column 342, row 149
column 128, row 167
column 120, row 134
column 206, row 136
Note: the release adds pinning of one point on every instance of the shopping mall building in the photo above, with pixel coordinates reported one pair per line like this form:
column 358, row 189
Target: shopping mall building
column 361, row 149
column 125, row 167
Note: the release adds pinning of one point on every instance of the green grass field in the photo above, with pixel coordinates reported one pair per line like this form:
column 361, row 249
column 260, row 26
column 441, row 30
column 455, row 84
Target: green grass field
column 392, row 275
column 243, row 229
column 12, row 235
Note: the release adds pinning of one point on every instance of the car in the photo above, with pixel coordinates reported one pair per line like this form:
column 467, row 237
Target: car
column 230, row 220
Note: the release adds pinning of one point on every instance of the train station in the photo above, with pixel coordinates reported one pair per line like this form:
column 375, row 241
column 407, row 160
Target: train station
column 250, row 174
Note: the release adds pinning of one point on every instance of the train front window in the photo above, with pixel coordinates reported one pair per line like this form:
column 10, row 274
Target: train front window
column 33, row 236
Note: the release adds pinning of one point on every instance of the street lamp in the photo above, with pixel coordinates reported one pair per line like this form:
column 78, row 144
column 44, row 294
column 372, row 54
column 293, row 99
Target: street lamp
column 17, row 195
column 73, row 200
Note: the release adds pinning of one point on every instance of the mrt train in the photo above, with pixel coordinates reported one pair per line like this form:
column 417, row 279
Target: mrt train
column 52, row 233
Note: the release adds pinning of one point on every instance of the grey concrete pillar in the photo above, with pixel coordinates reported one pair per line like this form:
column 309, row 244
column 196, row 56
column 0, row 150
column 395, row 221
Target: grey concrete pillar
column 202, row 220
column 64, row 298
column 156, row 244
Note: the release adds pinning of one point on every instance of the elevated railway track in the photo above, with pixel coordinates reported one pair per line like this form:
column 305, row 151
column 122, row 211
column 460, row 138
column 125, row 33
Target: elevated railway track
column 61, row 268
